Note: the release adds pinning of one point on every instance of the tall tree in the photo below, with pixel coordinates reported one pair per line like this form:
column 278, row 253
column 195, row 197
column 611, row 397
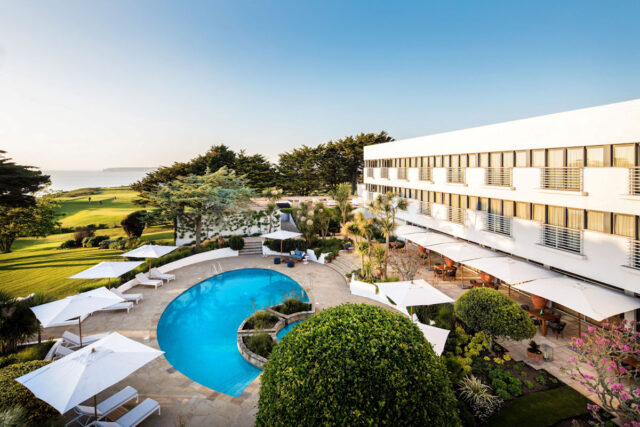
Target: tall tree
column 272, row 195
column 202, row 202
column 18, row 183
column 342, row 196
column 38, row 220
column 385, row 207
column 258, row 171
column 299, row 171
column 352, row 154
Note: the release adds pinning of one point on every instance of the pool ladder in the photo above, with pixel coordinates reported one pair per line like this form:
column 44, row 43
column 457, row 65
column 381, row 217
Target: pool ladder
column 216, row 268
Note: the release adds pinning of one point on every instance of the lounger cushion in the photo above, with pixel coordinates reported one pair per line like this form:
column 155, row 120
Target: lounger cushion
column 139, row 413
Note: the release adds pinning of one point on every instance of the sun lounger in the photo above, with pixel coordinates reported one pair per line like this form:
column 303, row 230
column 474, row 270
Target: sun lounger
column 85, row 413
column 143, row 280
column 61, row 351
column 157, row 274
column 136, row 298
column 73, row 340
column 135, row 416
column 119, row 306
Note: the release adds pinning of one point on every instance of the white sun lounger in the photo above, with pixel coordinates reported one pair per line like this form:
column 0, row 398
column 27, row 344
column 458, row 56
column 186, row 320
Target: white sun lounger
column 74, row 340
column 136, row 298
column 61, row 351
column 143, row 280
column 126, row 305
column 86, row 413
column 135, row 416
column 157, row 274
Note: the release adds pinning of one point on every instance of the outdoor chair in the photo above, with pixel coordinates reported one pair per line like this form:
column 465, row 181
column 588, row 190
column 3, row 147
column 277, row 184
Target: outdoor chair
column 297, row 255
column 348, row 246
column 143, row 280
column 525, row 307
column 73, row 340
column 126, row 305
column 135, row 416
column 291, row 263
column 61, row 351
column 452, row 272
column 276, row 260
column 107, row 406
column 157, row 274
column 135, row 298
column 557, row 327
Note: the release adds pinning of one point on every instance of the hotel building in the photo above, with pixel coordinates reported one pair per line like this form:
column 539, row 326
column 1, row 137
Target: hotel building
column 561, row 191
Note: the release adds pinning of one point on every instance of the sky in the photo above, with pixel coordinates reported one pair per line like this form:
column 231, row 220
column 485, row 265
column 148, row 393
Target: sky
column 94, row 84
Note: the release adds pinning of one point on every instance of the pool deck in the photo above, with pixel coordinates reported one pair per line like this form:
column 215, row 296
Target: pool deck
column 183, row 401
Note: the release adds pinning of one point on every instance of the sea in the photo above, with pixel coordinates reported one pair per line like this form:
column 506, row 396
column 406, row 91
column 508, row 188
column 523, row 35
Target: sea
column 64, row 180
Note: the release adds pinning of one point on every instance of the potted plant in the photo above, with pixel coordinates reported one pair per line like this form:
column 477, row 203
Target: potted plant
column 533, row 351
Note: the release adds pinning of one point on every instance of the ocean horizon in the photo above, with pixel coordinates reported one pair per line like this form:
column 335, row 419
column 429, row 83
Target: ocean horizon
column 67, row 180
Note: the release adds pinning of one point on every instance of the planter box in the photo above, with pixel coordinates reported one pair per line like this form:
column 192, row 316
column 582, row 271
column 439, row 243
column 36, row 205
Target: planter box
column 274, row 330
column 535, row 356
column 290, row 318
column 251, row 357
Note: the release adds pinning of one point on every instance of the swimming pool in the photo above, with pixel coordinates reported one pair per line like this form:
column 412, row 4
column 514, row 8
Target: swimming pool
column 197, row 331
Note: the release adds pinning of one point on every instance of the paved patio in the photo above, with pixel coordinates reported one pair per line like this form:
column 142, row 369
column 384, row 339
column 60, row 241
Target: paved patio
column 183, row 401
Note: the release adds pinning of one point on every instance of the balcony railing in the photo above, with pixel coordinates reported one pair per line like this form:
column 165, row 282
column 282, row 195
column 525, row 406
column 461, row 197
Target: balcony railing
column 499, row 224
column 425, row 208
column 402, row 173
column 369, row 172
column 563, row 238
column 456, row 175
column 634, row 254
column 568, row 179
column 634, row 181
column 426, row 174
column 498, row 176
column 455, row 214
column 384, row 173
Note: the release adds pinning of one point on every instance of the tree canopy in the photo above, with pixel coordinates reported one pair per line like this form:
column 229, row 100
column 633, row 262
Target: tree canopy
column 355, row 364
column 18, row 183
column 495, row 314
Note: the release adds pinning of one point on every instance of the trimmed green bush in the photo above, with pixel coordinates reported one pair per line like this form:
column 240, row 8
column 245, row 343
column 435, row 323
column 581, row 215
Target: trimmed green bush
column 134, row 223
column 68, row 244
column 95, row 241
column 287, row 245
column 294, row 305
column 495, row 314
column 355, row 364
column 261, row 344
column 12, row 393
column 236, row 243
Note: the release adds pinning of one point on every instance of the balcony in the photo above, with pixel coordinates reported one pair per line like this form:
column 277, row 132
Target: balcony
column 426, row 174
column 498, row 224
column 384, row 173
column 562, row 238
column 402, row 173
column 634, row 181
column 502, row 177
column 455, row 214
column 634, row 254
column 456, row 175
column 564, row 179
column 369, row 172
column 425, row 208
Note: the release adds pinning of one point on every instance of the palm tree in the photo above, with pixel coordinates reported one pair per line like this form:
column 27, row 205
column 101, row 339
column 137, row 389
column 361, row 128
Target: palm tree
column 17, row 322
column 39, row 298
column 385, row 207
column 342, row 196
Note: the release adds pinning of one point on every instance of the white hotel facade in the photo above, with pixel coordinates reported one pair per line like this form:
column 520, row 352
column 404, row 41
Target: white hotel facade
column 561, row 190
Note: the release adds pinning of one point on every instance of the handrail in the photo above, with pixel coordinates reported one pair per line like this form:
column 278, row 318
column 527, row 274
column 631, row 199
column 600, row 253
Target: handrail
column 425, row 208
column 496, row 223
column 563, row 238
column 369, row 172
column 456, row 214
column 456, row 175
column 634, row 254
column 634, row 181
column 567, row 179
column 426, row 174
column 384, row 173
column 498, row 176
column 401, row 173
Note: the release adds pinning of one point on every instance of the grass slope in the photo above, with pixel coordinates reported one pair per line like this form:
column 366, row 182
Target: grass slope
column 36, row 264
column 545, row 408
column 77, row 210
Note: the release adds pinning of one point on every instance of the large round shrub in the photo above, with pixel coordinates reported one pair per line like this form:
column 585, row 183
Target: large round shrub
column 355, row 365
column 495, row 314
column 12, row 393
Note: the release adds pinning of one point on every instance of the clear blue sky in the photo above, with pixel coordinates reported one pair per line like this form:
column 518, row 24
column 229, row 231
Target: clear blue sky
column 93, row 84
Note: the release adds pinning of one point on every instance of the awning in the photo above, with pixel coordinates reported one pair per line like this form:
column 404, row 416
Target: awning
column 510, row 270
column 403, row 231
column 430, row 238
column 409, row 294
column 593, row 301
column 281, row 235
column 461, row 252
column 436, row 336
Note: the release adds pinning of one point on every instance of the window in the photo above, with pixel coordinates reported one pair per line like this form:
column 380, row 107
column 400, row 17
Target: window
column 473, row 160
column 575, row 157
column 473, row 202
column 556, row 216
column 575, row 218
column 484, row 160
column 455, row 161
column 483, row 204
column 496, row 160
column 595, row 221
column 495, row 206
column 538, row 159
column 507, row 159
column 507, row 208
column 521, row 159
column 438, row 161
column 523, row 210
column 624, row 225
column 447, row 161
column 463, row 160
column 555, row 157
column 463, row 202
column 595, row 157
column 624, row 156
column 438, row 197
column 538, row 213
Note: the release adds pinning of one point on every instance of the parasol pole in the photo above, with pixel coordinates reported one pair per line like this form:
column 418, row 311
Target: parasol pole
column 80, row 329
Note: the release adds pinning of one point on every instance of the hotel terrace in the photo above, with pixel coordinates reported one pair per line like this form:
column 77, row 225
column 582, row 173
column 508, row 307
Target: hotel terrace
column 560, row 191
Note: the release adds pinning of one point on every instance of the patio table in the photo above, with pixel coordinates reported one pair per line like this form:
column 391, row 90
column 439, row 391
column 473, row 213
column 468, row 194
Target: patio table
column 543, row 318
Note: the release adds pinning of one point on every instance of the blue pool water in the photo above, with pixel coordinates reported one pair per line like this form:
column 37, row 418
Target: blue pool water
column 284, row 331
column 197, row 331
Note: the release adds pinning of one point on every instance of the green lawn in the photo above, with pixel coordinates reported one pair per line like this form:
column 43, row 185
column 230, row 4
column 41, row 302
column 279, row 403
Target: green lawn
column 77, row 210
column 36, row 264
column 541, row 409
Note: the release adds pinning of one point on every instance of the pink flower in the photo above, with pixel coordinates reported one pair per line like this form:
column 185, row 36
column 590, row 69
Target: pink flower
column 624, row 396
column 572, row 360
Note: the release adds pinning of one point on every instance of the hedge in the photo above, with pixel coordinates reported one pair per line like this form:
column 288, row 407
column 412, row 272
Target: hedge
column 12, row 393
column 355, row 364
column 287, row 245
